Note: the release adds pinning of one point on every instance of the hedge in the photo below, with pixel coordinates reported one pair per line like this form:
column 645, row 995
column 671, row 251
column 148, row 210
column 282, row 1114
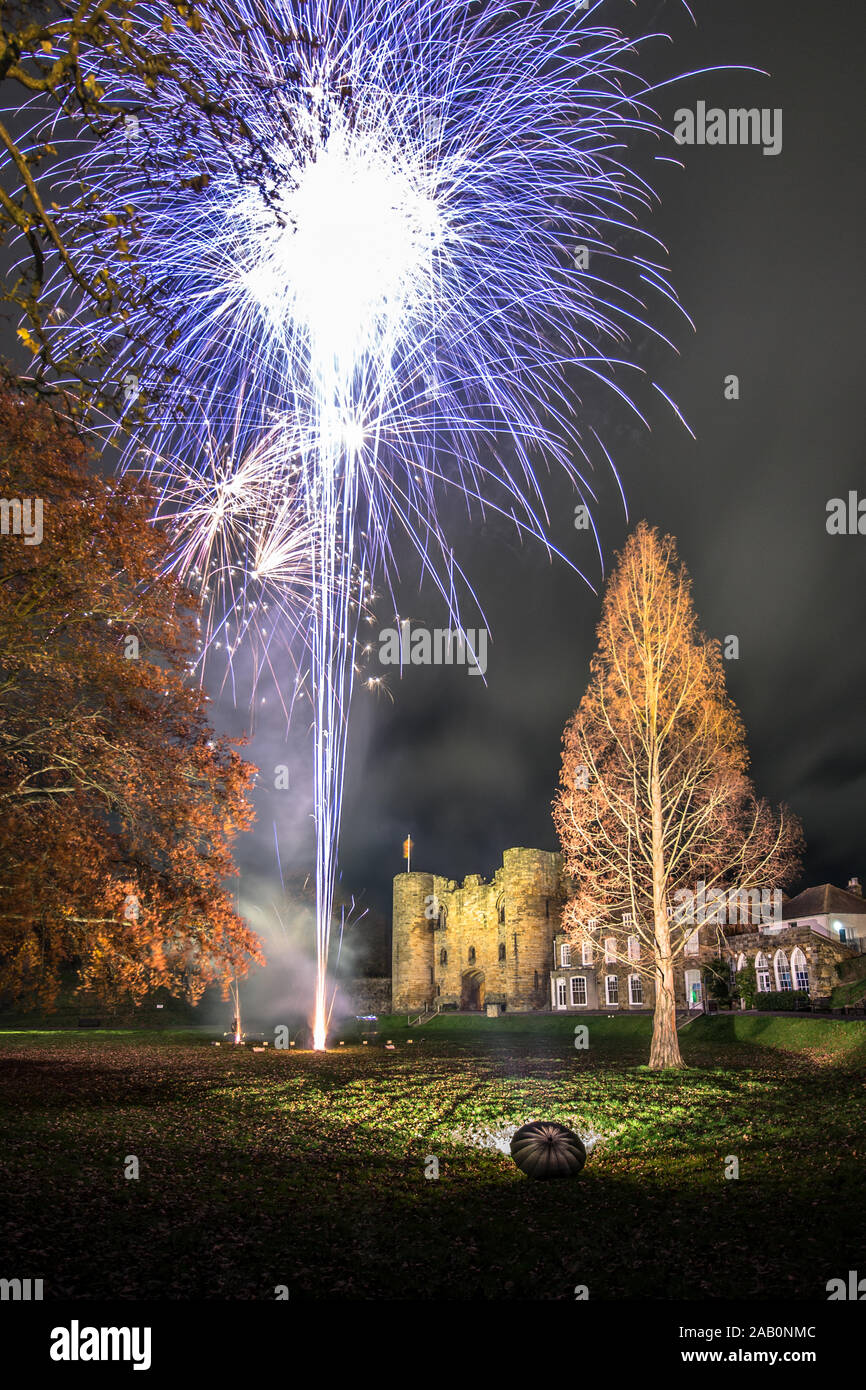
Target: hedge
column 782, row 999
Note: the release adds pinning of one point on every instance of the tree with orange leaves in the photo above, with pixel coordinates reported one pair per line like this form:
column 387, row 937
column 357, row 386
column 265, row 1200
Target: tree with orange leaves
column 654, row 794
column 118, row 802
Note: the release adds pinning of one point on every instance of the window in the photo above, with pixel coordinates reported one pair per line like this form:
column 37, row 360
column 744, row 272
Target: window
column 693, row 944
column 536, row 979
column 635, row 989
column 442, row 918
column 560, row 994
column 586, row 953
column 611, row 989
column 443, row 957
column 628, row 919
column 502, row 950
column 609, row 950
column 762, row 973
column 471, row 955
column 547, row 907
column 431, row 974
column 694, row 989
column 592, row 924
column 578, row 990
column 633, row 948
column 565, row 954
column 783, row 971
column 501, row 909
column 799, row 969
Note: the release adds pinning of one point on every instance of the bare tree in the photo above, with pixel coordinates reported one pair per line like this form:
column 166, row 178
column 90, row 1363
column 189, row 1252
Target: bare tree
column 655, row 798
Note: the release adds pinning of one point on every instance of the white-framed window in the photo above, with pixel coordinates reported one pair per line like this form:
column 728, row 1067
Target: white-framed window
column 762, row 973
column 592, row 924
column 799, row 969
column 565, row 954
column 578, row 990
column 741, row 962
column 694, row 989
column 628, row 919
column 635, row 989
column 782, row 971
column 586, row 953
column 633, row 948
column 561, row 995
column 693, row 943
column 611, row 989
column 610, row 950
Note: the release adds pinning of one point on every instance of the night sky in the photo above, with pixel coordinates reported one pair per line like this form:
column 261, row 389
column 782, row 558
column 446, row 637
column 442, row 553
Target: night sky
column 766, row 253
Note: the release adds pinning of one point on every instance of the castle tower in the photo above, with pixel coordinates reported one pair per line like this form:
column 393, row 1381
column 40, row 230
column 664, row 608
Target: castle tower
column 412, row 984
column 532, row 909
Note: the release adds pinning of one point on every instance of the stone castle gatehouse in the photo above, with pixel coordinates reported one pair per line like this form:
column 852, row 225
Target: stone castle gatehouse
column 478, row 945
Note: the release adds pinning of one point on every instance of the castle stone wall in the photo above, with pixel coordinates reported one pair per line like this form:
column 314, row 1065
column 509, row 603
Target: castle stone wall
column 412, row 983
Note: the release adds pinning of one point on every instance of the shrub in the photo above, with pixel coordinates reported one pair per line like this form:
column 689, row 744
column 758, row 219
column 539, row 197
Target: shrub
column 717, row 981
column 783, row 999
column 747, row 984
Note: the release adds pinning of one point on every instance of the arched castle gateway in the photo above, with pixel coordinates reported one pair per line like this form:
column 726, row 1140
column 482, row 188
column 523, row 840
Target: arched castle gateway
column 476, row 945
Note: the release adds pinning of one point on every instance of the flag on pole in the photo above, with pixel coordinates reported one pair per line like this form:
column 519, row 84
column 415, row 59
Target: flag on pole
column 407, row 852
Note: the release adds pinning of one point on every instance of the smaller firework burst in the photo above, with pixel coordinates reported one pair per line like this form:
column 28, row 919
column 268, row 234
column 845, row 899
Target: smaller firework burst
column 242, row 539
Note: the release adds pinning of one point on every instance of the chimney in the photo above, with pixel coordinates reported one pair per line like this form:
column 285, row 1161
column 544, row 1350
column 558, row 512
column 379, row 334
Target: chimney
column 855, row 886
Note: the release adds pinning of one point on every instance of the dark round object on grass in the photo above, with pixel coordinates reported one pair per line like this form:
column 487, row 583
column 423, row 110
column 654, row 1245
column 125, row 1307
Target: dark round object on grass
column 545, row 1149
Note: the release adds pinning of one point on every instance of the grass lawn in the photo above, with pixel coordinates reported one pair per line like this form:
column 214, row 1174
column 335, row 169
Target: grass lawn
column 308, row 1170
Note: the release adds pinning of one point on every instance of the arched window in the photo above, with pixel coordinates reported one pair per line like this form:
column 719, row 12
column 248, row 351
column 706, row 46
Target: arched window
column 609, row 950
column 500, row 908
column 442, row 920
column 443, row 957
column 502, row 950
column 762, row 972
column 782, row 970
column 471, row 955
column 741, row 962
column 799, row 969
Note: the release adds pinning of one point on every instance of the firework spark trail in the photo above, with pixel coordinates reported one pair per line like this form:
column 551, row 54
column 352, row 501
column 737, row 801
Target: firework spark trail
column 236, row 508
column 389, row 262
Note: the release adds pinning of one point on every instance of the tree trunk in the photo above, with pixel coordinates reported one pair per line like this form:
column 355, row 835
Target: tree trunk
column 665, row 1050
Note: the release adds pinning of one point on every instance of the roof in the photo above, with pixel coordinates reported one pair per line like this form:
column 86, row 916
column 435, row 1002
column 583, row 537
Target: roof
column 822, row 900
